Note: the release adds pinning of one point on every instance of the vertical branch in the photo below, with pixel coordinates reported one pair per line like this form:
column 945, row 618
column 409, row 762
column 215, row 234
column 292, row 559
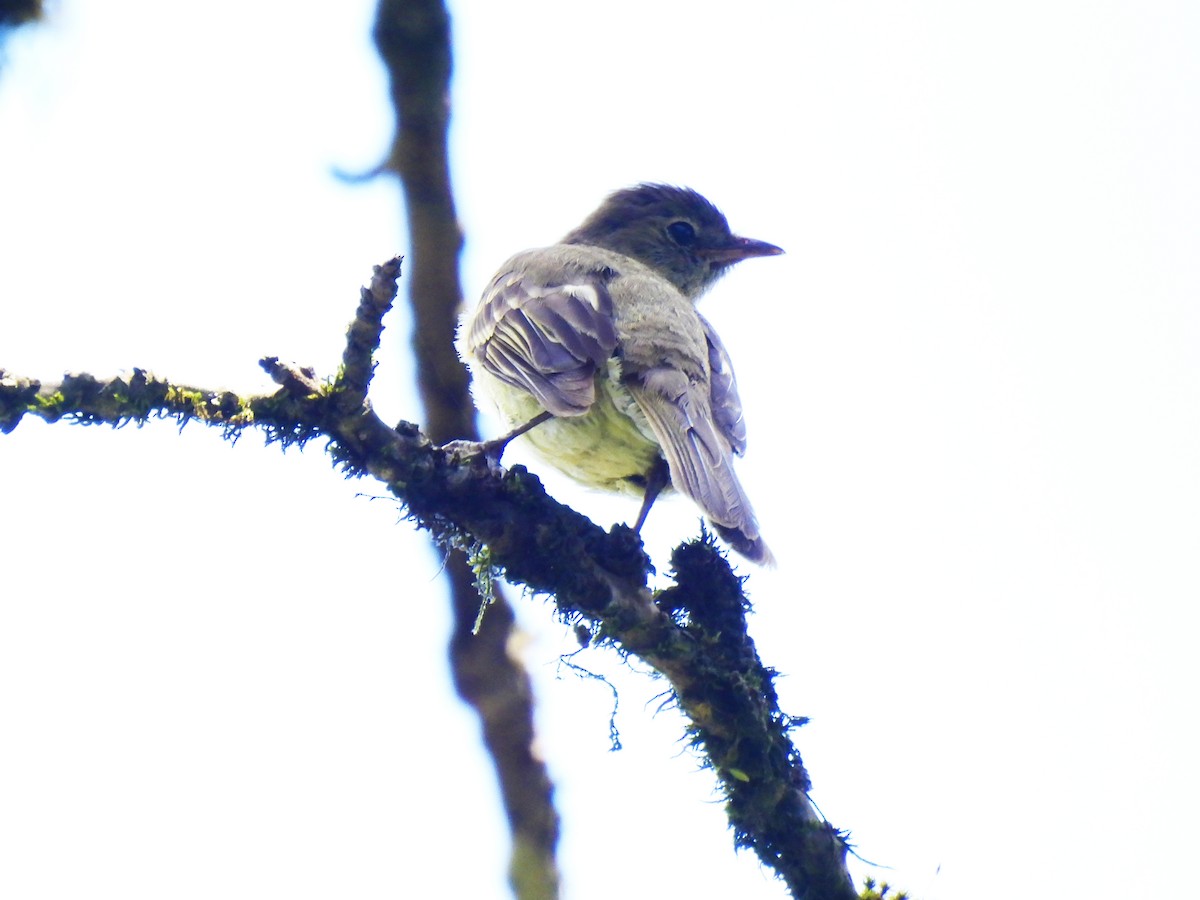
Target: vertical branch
column 413, row 37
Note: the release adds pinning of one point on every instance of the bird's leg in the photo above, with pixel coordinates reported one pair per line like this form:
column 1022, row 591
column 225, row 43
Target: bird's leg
column 494, row 448
column 657, row 478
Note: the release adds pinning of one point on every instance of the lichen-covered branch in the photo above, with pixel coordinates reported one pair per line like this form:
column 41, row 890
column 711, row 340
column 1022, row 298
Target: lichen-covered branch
column 694, row 633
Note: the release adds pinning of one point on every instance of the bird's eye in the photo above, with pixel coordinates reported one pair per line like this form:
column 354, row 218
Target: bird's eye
column 682, row 233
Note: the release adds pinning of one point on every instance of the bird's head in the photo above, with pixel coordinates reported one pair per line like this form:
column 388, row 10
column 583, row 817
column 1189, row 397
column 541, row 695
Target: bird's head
column 673, row 230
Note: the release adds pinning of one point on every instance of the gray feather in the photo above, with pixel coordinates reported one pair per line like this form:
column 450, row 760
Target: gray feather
column 698, row 453
column 547, row 336
column 726, row 404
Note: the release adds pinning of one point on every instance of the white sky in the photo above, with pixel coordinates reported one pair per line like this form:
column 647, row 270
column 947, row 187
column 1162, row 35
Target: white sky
column 971, row 387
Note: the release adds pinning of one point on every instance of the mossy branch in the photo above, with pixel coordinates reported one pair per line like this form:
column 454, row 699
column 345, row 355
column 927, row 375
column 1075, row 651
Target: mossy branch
column 694, row 632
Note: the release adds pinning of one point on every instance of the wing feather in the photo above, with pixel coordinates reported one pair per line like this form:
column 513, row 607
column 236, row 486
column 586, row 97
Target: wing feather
column 548, row 337
column 726, row 404
column 698, row 453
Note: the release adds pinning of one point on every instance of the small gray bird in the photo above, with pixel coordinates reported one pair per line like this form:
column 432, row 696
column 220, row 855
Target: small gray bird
column 593, row 347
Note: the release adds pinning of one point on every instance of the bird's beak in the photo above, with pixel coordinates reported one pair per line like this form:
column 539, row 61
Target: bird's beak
column 740, row 248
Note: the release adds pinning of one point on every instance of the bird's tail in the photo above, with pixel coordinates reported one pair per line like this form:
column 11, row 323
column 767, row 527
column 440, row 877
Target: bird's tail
column 699, row 456
column 754, row 549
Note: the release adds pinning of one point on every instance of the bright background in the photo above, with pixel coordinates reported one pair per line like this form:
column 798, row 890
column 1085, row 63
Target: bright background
column 971, row 387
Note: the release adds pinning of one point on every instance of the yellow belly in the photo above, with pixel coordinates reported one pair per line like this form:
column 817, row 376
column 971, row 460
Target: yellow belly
column 603, row 448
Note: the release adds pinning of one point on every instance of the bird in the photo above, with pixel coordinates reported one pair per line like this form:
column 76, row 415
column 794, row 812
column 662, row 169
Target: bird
column 593, row 349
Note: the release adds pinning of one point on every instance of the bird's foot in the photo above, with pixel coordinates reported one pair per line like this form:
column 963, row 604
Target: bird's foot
column 469, row 449
column 489, row 451
column 492, row 450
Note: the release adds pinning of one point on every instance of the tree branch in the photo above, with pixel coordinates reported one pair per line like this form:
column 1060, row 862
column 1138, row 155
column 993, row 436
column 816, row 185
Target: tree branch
column 413, row 37
column 694, row 632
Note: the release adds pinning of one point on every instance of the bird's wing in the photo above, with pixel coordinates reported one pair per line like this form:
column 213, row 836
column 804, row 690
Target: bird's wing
column 547, row 334
column 698, row 453
column 726, row 405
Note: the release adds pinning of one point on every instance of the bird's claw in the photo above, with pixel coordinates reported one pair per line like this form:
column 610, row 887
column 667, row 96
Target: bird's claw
column 489, row 451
